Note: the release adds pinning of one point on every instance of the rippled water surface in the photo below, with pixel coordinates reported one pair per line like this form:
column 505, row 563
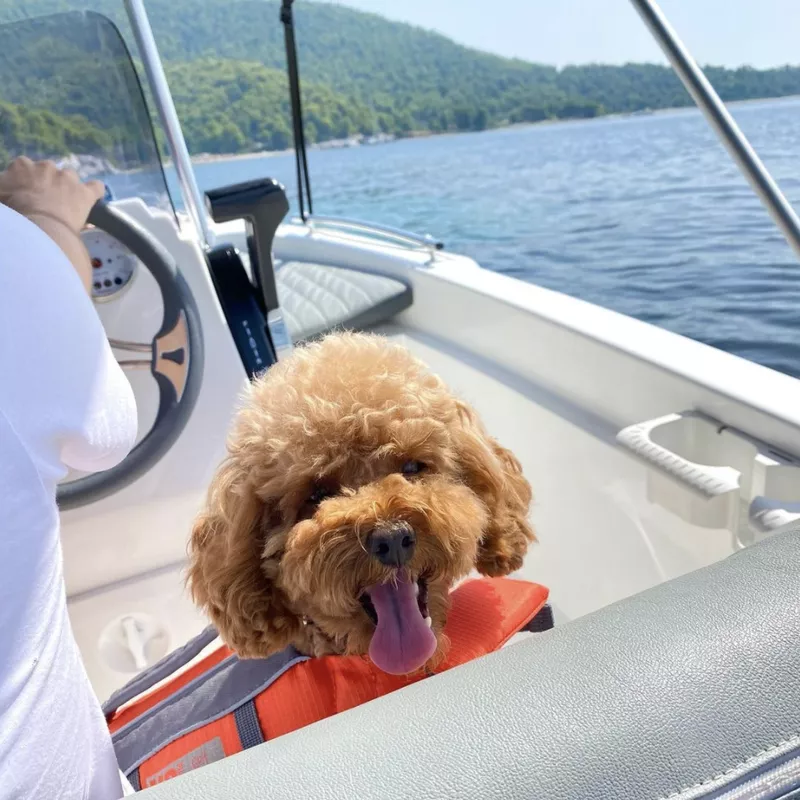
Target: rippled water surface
column 646, row 215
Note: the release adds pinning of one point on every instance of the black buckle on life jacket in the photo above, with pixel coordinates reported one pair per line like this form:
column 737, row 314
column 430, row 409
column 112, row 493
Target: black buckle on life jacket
column 543, row 620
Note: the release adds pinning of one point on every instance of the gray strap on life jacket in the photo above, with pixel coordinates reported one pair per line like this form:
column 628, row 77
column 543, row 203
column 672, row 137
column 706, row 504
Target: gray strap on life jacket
column 248, row 726
column 224, row 689
column 133, row 779
column 161, row 669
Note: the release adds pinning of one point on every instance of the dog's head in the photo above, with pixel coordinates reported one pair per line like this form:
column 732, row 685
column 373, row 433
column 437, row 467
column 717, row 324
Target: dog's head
column 355, row 492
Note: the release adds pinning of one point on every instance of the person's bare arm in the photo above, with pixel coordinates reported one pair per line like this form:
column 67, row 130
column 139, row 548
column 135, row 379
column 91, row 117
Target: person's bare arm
column 56, row 201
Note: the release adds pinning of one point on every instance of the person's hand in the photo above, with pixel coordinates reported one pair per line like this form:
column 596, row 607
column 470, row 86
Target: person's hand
column 56, row 201
column 41, row 188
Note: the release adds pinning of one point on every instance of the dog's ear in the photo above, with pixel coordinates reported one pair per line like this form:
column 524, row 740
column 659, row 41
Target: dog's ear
column 495, row 475
column 233, row 563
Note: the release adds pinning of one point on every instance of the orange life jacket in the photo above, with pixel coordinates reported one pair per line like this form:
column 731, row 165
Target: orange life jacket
column 223, row 705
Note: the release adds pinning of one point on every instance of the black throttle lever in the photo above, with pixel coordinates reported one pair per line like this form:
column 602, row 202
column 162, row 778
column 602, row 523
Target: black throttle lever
column 262, row 204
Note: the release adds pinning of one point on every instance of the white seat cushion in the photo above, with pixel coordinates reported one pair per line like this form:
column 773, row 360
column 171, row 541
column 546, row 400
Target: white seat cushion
column 316, row 298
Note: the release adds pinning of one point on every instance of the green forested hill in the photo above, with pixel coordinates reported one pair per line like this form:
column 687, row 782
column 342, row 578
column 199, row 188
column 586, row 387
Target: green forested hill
column 229, row 106
column 363, row 74
column 32, row 129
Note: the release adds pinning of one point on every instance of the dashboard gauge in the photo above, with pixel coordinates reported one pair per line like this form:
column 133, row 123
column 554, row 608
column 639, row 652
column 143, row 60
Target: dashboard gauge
column 113, row 265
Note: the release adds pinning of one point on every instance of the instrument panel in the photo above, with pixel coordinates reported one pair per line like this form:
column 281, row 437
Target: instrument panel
column 113, row 265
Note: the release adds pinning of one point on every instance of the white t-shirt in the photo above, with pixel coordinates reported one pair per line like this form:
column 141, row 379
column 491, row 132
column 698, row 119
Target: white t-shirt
column 63, row 401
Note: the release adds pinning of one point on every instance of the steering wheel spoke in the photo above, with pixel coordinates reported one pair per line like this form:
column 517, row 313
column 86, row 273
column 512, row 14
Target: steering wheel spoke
column 131, row 347
column 172, row 356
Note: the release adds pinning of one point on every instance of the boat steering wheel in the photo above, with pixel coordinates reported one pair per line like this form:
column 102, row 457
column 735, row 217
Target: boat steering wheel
column 176, row 362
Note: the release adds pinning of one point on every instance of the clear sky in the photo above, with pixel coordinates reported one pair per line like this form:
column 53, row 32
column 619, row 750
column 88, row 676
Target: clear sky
column 762, row 33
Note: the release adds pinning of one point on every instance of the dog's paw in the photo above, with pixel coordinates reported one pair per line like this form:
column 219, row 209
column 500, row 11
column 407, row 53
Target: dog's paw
column 496, row 564
column 504, row 552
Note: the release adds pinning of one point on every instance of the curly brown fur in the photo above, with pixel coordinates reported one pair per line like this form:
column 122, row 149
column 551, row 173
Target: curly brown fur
column 342, row 416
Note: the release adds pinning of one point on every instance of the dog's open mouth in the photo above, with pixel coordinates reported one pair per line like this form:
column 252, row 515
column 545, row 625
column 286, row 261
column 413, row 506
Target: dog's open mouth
column 403, row 640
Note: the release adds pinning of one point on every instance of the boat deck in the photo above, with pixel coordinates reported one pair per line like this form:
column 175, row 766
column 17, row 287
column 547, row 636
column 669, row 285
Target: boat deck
column 600, row 538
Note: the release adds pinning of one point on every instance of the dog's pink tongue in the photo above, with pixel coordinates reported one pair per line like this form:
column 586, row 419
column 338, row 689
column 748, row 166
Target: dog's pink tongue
column 402, row 641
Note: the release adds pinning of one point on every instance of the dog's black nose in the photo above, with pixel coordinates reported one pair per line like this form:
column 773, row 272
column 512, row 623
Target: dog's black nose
column 393, row 545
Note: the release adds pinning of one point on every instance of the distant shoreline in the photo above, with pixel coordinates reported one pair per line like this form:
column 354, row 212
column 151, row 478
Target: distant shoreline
column 213, row 158
column 210, row 158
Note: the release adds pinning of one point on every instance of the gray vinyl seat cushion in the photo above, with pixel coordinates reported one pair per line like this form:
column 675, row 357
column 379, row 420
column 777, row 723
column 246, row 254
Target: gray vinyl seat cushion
column 317, row 298
column 685, row 691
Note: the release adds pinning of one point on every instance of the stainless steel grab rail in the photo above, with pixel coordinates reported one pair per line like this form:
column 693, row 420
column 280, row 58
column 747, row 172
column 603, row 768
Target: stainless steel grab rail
column 154, row 70
column 416, row 240
column 723, row 124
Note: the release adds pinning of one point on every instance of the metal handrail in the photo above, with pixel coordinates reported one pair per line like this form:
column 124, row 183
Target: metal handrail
column 154, row 69
column 708, row 101
column 421, row 241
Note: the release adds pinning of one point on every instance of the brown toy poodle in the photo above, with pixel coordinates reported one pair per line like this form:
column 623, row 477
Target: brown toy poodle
column 356, row 491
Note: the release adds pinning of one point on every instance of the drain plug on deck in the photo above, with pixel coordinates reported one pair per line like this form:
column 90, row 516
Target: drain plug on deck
column 133, row 642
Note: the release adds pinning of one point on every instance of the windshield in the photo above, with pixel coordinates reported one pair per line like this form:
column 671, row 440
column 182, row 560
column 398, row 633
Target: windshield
column 69, row 92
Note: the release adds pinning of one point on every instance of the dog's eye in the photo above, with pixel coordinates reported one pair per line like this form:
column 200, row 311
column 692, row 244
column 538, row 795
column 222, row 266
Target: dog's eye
column 319, row 494
column 412, row 468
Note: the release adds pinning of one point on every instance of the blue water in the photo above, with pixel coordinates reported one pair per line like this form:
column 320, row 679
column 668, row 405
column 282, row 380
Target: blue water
column 644, row 215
